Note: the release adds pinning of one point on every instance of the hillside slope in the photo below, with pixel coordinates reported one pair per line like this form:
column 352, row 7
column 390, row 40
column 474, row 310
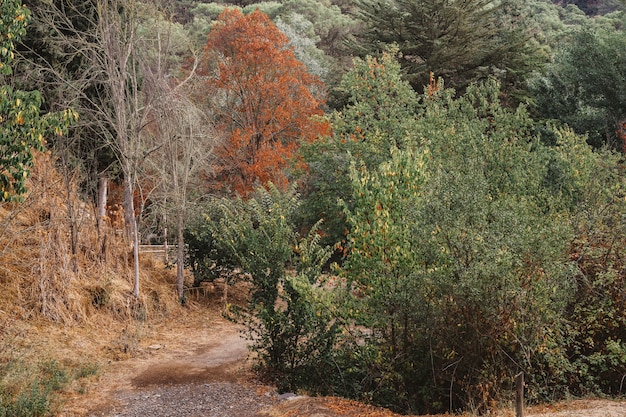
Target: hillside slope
column 66, row 304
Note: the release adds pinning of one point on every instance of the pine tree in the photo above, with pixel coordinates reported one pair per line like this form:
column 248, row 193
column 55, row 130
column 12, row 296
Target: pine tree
column 459, row 40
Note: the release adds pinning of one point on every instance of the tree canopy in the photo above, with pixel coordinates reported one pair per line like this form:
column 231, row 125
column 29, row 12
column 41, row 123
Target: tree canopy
column 22, row 126
column 461, row 41
column 582, row 87
column 263, row 97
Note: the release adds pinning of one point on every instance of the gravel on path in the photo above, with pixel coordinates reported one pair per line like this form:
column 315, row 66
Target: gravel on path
column 190, row 400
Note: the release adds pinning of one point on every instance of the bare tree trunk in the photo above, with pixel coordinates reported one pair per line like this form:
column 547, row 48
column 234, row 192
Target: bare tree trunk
column 72, row 224
column 71, row 219
column 519, row 395
column 133, row 230
column 103, row 189
column 180, row 254
column 165, row 245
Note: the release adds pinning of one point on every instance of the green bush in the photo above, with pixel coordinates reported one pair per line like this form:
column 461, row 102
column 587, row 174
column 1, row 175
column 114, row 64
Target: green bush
column 458, row 268
column 37, row 397
column 287, row 315
column 30, row 390
column 204, row 256
column 33, row 402
column 596, row 326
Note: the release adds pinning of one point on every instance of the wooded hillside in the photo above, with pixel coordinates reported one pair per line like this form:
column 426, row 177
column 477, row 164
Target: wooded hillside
column 425, row 197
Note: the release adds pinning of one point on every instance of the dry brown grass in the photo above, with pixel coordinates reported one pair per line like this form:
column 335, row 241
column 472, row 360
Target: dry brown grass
column 74, row 308
column 41, row 276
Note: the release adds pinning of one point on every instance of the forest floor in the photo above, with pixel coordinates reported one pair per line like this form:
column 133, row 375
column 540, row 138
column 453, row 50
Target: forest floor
column 198, row 366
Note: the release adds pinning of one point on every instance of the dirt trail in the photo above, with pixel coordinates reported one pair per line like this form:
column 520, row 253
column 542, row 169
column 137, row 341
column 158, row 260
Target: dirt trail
column 197, row 370
column 200, row 369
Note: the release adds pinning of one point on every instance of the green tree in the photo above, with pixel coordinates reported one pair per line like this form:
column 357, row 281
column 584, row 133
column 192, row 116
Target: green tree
column 461, row 41
column 302, row 39
column 22, row 126
column 458, row 265
column 582, row 88
column 379, row 116
column 287, row 317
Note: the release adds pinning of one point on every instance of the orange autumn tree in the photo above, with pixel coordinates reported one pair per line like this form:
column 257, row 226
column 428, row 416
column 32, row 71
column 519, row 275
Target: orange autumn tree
column 264, row 100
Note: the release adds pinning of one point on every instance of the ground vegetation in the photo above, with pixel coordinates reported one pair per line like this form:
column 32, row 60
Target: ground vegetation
column 451, row 216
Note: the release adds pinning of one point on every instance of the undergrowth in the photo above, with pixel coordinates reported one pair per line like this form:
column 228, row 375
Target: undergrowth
column 31, row 390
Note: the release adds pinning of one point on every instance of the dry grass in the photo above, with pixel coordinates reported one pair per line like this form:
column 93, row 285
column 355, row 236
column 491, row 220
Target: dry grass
column 67, row 290
column 44, row 275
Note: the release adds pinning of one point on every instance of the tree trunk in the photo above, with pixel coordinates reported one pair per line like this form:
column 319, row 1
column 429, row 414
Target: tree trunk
column 134, row 233
column 71, row 218
column 519, row 395
column 103, row 189
column 165, row 243
column 621, row 134
column 180, row 255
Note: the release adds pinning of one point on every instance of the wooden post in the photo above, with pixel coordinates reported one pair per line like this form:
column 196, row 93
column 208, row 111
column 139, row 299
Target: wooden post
column 519, row 395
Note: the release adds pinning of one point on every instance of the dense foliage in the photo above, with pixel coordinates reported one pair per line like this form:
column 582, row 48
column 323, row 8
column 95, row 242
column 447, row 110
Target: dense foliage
column 287, row 316
column 474, row 237
column 469, row 256
column 582, row 87
column 22, row 127
column 462, row 41
column 459, row 255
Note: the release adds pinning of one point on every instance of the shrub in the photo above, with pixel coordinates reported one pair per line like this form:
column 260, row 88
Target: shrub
column 458, row 266
column 37, row 396
column 286, row 317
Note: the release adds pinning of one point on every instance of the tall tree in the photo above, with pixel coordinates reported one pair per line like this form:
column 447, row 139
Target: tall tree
column 582, row 88
column 379, row 115
column 51, row 59
column 264, row 98
column 458, row 258
column 184, row 136
column 459, row 40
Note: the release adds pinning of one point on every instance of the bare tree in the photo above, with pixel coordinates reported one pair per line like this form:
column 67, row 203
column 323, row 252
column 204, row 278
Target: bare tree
column 179, row 131
column 188, row 140
column 114, row 88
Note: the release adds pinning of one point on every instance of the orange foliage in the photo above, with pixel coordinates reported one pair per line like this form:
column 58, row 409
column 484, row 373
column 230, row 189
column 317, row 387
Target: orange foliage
column 433, row 87
column 265, row 100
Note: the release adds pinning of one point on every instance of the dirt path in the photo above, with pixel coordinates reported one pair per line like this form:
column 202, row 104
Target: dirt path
column 200, row 369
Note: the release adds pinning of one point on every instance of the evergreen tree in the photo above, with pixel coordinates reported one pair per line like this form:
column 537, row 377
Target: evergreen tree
column 461, row 40
column 583, row 87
